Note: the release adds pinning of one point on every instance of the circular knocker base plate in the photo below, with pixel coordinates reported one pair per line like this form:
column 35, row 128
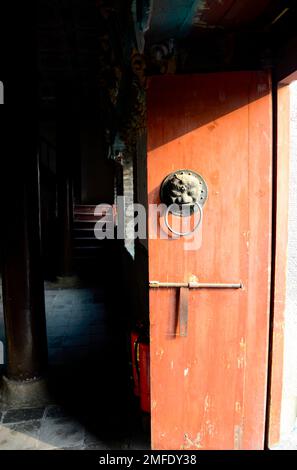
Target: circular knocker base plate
column 183, row 190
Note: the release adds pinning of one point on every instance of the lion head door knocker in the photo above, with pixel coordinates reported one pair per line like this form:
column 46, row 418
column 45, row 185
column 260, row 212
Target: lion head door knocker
column 184, row 192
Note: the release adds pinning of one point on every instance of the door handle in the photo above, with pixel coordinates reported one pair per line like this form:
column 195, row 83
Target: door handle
column 184, row 192
column 183, row 302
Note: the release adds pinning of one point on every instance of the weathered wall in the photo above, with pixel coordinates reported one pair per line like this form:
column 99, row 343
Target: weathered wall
column 141, row 245
column 128, row 187
column 289, row 403
column 135, row 254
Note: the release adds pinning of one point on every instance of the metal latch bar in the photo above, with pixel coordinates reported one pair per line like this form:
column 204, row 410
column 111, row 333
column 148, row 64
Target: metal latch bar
column 196, row 285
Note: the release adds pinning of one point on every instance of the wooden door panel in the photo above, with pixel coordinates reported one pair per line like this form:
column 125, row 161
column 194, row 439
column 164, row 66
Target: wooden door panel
column 209, row 388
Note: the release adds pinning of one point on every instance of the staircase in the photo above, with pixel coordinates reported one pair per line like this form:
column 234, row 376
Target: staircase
column 88, row 251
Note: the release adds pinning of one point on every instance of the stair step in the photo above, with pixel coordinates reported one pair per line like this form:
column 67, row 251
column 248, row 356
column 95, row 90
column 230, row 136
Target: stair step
column 91, row 209
column 88, row 250
column 84, row 222
column 89, row 217
column 85, row 239
column 83, row 232
column 102, row 211
column 88, row 207
column 86, row 242
column 87, row 224
column 93, row 239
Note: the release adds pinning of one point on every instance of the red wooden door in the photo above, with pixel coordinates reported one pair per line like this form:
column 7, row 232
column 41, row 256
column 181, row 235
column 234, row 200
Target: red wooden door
column 208, row 389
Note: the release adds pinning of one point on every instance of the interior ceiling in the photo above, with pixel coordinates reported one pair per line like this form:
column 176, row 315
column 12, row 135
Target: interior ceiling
column 69, row 32
column 180, row 18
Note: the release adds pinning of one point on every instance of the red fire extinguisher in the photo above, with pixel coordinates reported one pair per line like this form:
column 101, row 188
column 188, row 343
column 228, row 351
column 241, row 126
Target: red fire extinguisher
column 135, row 361
column 144, row 376
column 141, row 368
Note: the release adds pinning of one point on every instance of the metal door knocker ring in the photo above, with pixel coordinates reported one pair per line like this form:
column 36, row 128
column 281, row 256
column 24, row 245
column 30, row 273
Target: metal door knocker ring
column 183, row 234
column 183, row 189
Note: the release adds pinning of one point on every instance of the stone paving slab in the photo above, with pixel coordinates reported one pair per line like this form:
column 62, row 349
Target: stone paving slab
column 98, row 446
column 21, row 436
column 92, row 441
column 55, row 411
column 61, row 432
column 26, row 414
column 56, row 430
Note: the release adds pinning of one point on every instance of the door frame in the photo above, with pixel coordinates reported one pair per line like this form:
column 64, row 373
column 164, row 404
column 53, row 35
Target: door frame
column 281, row 159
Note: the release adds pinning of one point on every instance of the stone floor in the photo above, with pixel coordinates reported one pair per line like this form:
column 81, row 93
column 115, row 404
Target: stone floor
column 92, row 404
column 77, row 324
column 51, row 428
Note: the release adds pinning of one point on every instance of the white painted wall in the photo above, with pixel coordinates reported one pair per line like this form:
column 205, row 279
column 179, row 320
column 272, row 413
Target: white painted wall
column 289, row 402
column 128, row 183
column 1, row 93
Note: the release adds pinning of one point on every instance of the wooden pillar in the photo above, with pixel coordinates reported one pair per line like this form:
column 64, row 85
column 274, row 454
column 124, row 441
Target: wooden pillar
column 65, row 215
column 66, row 158
column 23, row 290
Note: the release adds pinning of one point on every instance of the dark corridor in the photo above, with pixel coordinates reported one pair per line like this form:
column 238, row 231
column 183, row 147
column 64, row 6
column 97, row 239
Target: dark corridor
column 92, row 405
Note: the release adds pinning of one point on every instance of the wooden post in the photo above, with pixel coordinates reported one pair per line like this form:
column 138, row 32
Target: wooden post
column 65, row 216
column 23, row 290
column 66, row 153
